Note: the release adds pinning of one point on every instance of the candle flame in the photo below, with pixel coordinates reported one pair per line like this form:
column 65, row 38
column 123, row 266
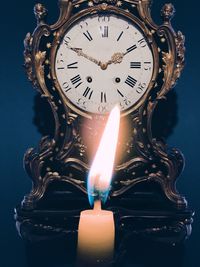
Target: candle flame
column 100, row 174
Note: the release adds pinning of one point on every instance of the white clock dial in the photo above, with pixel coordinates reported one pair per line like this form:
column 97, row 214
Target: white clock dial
column 103, row 61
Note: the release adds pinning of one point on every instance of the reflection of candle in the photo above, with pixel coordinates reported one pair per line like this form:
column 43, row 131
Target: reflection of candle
column 96, row 227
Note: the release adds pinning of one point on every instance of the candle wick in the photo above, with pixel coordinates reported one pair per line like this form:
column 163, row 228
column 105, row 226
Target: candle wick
column 97, row 205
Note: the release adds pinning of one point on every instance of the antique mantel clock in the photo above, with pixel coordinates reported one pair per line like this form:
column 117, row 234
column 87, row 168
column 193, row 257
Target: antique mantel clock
column 98, row 54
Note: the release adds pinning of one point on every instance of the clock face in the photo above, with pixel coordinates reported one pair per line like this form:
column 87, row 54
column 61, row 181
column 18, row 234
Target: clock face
column 103, row 61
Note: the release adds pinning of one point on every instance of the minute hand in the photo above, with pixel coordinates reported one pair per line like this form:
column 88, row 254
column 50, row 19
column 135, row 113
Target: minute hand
column 82, row 54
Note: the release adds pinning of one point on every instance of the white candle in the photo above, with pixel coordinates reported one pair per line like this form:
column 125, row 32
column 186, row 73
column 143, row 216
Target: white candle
column 96, row 234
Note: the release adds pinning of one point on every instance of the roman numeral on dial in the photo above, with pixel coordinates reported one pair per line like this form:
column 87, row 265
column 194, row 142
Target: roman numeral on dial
column 104, row 31
column 135, row 65
column 88, row 93
column 88, row 36
column 72, row 65
column 133, row 47
column 120, row 93
column 119, row 37
column 103, row 97
column 131, row 81
column 76, row 80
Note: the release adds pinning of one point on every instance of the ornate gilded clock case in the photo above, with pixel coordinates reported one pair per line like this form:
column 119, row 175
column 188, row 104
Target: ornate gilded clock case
column 148, row 168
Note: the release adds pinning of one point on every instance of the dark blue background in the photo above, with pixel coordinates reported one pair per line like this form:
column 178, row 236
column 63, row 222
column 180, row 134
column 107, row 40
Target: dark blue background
column 19, row 133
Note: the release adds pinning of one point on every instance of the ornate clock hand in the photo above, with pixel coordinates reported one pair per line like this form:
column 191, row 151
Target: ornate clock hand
column 115, row 59
column 81, row 53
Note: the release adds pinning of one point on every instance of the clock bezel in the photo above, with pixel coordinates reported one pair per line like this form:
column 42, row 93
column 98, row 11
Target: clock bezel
column 103, row 10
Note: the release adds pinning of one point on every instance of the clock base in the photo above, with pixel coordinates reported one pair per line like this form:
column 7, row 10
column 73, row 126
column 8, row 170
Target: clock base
column 52, row 247
column 142, row 236
column 146, row 213
column 166, row 225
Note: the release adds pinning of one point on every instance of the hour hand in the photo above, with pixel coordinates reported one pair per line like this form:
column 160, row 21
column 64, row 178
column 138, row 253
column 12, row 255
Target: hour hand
column 115, row 59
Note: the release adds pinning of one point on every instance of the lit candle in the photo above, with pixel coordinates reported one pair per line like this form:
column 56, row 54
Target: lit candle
column 96, row 232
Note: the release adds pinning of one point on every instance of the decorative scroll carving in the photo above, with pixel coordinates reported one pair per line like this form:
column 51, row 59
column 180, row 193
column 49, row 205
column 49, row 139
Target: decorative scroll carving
column 180, row 46
column 28, row 64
